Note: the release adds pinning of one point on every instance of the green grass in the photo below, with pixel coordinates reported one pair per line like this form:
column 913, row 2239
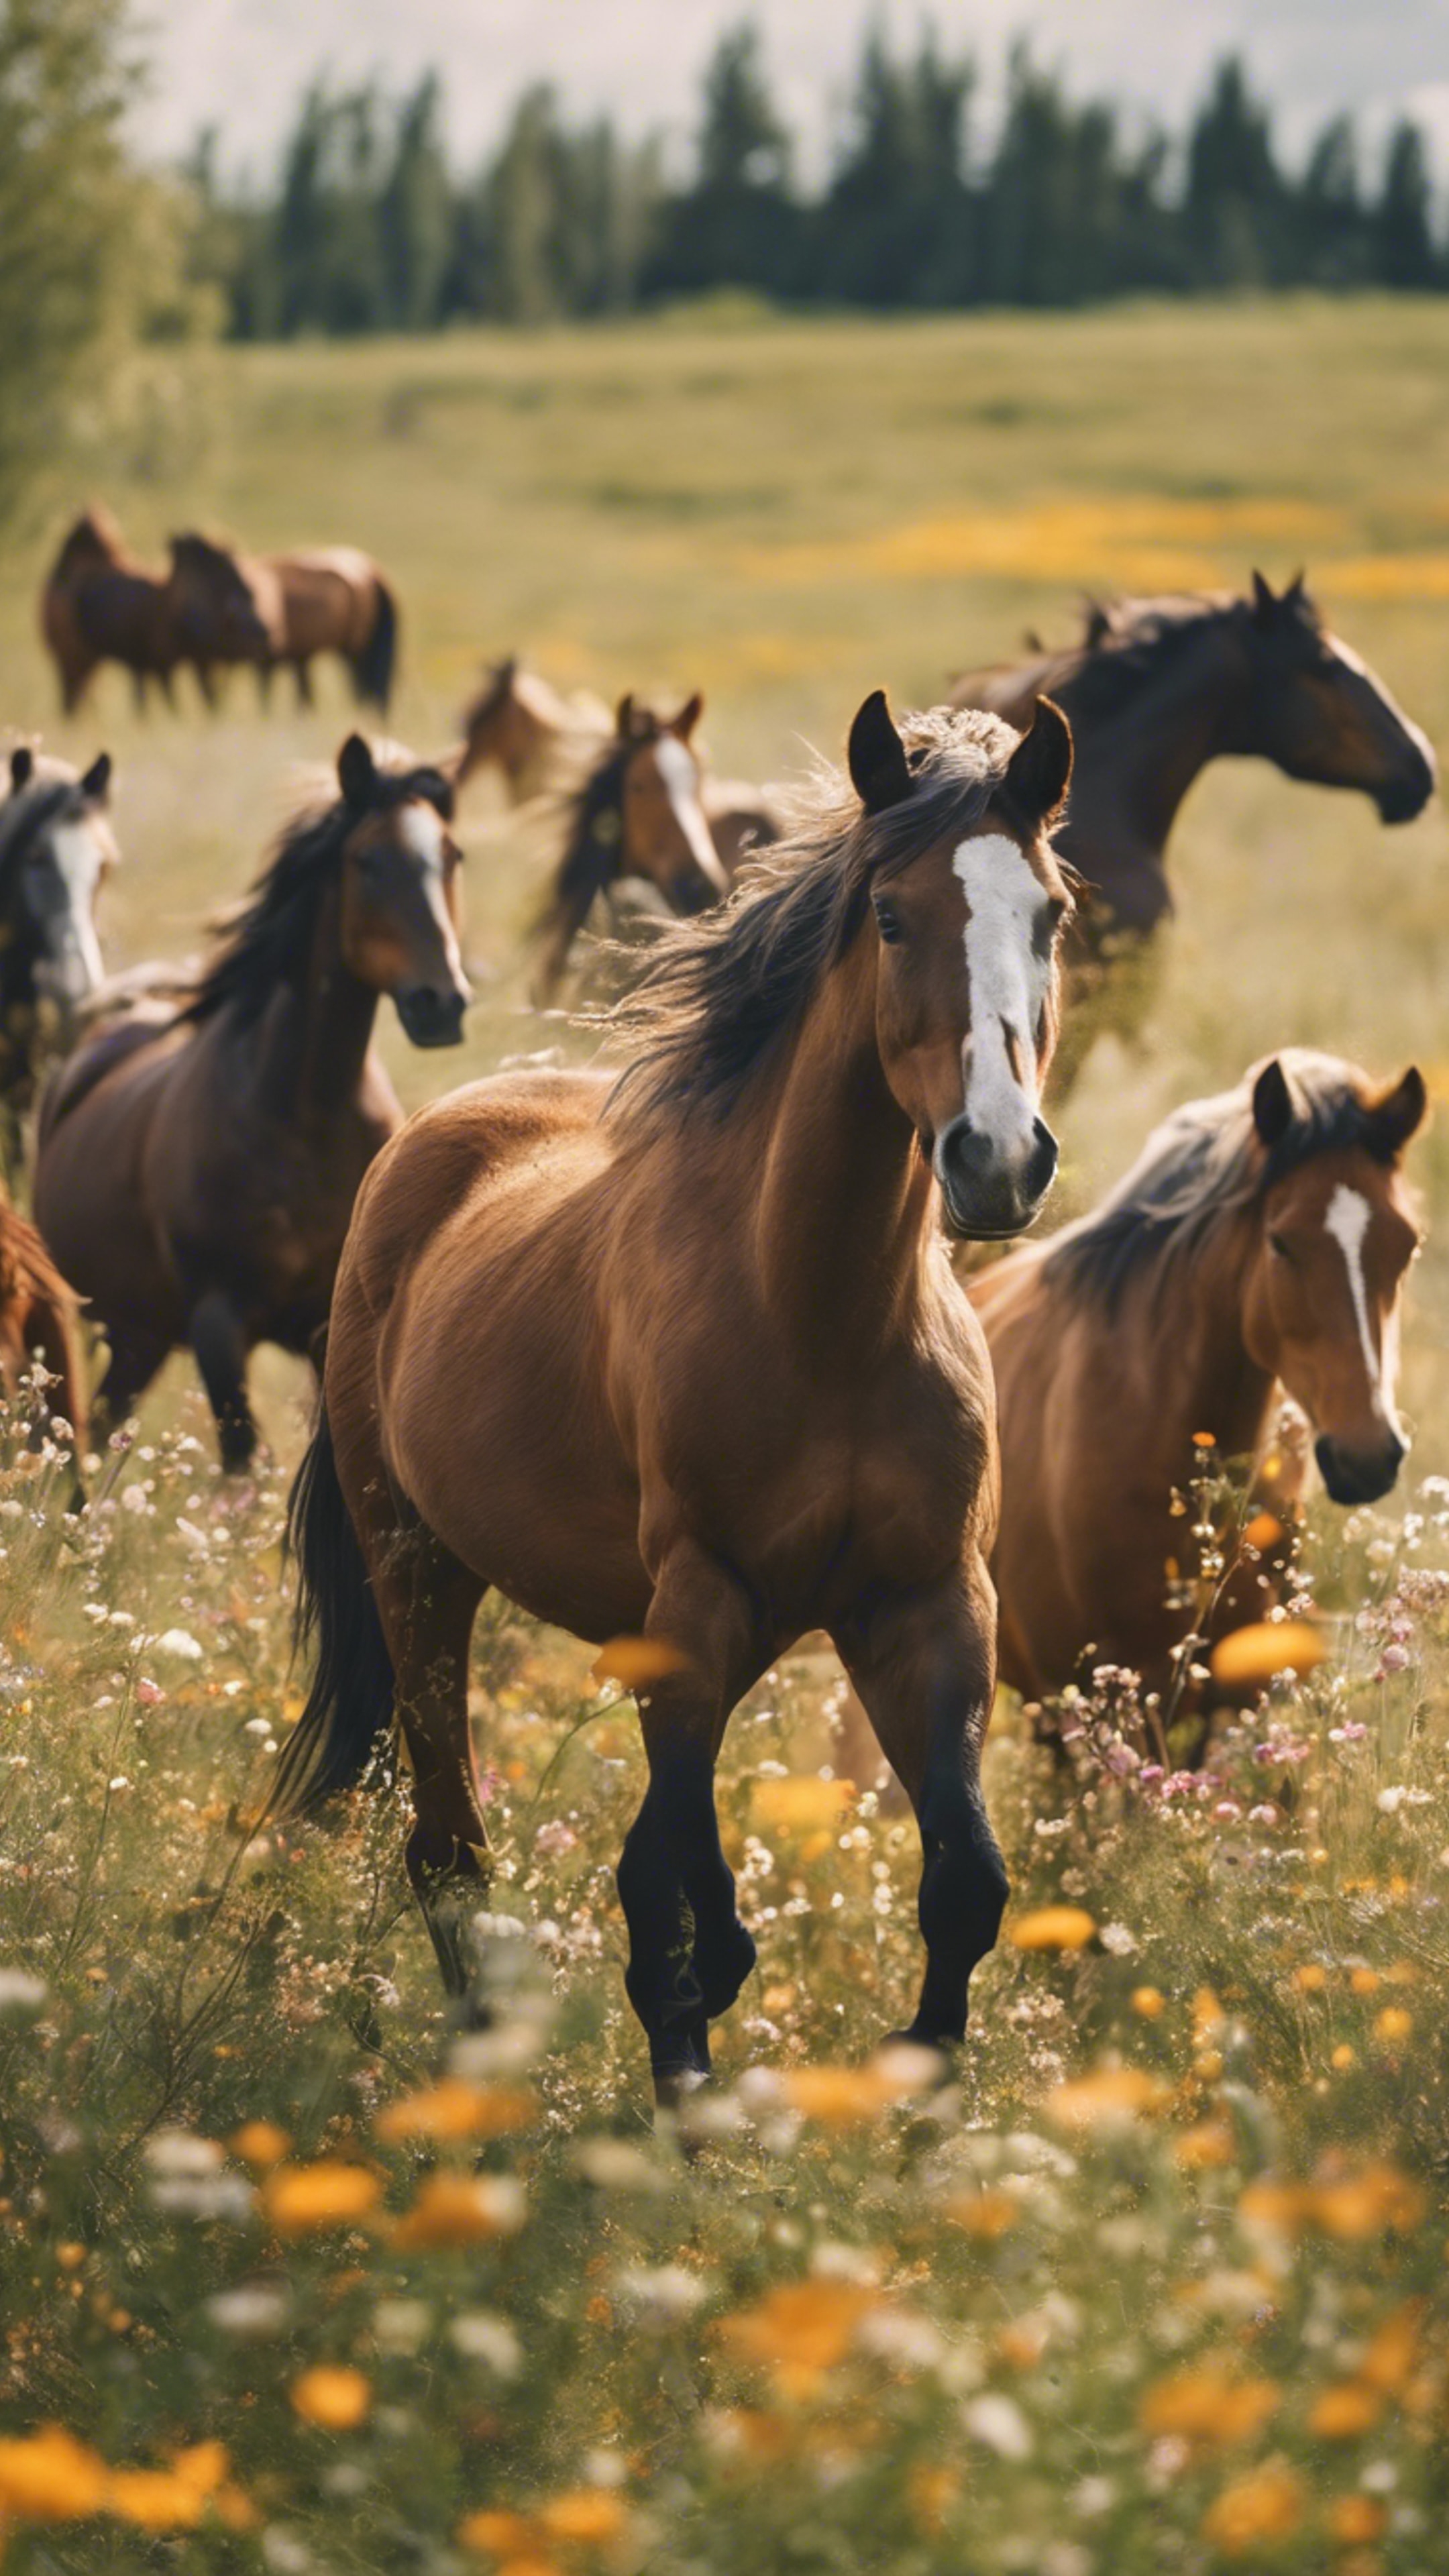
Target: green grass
column 980, row 2370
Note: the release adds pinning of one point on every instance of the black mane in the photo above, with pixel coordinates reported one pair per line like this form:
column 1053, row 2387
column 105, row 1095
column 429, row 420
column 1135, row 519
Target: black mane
column 1126, row 644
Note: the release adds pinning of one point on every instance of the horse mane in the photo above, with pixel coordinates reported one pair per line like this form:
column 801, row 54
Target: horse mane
column 593, row 829
column 498, row 679
column 95, row 535
column 1204, row 1166
column 268, row 937
column 1125, row 644
column 722, row 988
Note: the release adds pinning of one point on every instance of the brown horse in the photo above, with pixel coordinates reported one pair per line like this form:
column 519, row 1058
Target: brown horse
column 538, row 741
column 637, row 814
column 1155, row 690
column 224, row 609
column 683, row 1355
column 101, row 604
column 1258, row 1244
column 56, row 851
column 197, row 1167
column 332, row 600
column 38, row 1324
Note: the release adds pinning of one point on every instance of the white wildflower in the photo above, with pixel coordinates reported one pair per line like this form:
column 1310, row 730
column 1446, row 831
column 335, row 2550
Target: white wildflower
column 481, row 2335
column 998, row 2423
column 20, row 1992
column 180, row 1643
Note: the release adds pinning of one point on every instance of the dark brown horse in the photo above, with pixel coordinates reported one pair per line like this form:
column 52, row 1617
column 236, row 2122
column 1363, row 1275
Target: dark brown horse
column 197, row 1167
column 1258, row 1245
column 519, row 726
column 332, row 600
column 683, row 1355
column 101, row 604
column 1155, row 690
column 637, row 814
column 224, row 609
column 56, row 851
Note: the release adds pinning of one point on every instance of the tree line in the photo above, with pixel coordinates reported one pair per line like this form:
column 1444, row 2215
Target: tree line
column 369, row 228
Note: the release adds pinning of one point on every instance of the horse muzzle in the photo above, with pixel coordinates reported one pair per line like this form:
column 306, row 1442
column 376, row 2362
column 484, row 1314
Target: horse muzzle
column 989, row 1196
column 431, row 1018
column 1359, row 1475
column 1408, row 790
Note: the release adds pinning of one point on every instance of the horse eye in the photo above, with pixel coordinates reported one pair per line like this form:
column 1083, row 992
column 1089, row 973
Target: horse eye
column 1276, row 1243
column 890, row 925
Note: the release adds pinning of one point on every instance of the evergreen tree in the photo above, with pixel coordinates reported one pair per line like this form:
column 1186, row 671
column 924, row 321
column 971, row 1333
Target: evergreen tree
column 1235, row 204
column 738, row 225
column 897, row 225
column 1403, row 230
column 415, row 215
column 1332, row 247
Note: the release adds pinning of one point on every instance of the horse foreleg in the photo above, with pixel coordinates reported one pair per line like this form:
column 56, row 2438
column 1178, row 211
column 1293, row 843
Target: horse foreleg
column 138, row 690
column 689, row 1953
column 217, row 1338
column 427, row 1602
column 926, row 1670
column 206, row 683
column 302, row 671
column 133, row 1363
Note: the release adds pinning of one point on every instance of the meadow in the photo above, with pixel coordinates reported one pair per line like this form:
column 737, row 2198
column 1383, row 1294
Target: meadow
column 293, row 2277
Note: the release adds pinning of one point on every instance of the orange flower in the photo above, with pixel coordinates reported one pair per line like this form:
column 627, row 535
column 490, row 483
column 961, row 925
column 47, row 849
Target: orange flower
column 1311, row 1978
column 260, row 2143
column 986, row 2214
column 50, row 2477
column 1357, row 2519
column 462, row 2209
column 500, row 2533
column 1149, row 2002
column 840, row 2096
column 454, row 2109
column 634, row 1662
column 302, row 2199
column 1207, row 2144
column 1208, row 2402
column 583, row 2514
column 1258, row 1654
column 799, row 2330
column 1341, row 2413
column 1393, row 2026
column 1266, row 2506
column 333, row 2397
column 930, row 2493
column 1106, row 2098
column 1393, row 2352
column 1368, row 2203
column 1263, row 1531
column 1053, row 1927
column 803, row 1803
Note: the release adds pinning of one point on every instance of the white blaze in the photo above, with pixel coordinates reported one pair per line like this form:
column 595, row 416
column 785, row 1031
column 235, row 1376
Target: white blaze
column 422, row 833
column 679, row 770
column 1008, row 979
column 80, row 853
column 1347, row 1219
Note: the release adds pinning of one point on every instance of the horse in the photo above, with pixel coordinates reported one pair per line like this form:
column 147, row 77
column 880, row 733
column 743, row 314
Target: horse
column 38, row 1323
column 223, row 608
column 537, row 741
column 332, row 600
column 636, row 813
column 57, row 849
column 1258, row 1244
column 197, row 1165
column 101, row 604
column 675, row 1350
column 1153, row 691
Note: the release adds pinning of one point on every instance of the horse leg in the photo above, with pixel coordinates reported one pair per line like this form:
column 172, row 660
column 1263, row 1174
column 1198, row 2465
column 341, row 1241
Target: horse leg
column 303, row 670
column 206, row 683
column 215, row 1333
column 926, row 1670
column 427, row 1602
column 689, row 1953
column 134, row 1361
column 138, row 690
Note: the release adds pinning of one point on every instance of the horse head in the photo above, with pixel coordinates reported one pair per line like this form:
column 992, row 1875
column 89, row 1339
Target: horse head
column 399, row 899
column 1320, row 713
column 56, row 851
column 1322, row 1300
column 662, row 831
column 218, row 613
column 967, row 975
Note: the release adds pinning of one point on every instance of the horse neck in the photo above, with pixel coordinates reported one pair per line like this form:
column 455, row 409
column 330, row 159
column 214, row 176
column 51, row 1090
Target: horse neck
column 318, row 1031
column 839, row 1196
column 1196, row 1371
column 1193, row 712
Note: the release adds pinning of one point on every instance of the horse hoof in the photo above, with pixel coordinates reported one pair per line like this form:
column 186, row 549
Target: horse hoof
column 673, row 2088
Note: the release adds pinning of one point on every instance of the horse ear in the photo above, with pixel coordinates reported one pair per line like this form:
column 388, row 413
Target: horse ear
column 97, row 779
column 357, row 774
column 1272, row 1104
column 1264, row 602
column 1395, row 1118
column 22, row 764
column 879, row 770
column 1297, row 590
column 1039, row 771
column 688, row 717
column 624, row 717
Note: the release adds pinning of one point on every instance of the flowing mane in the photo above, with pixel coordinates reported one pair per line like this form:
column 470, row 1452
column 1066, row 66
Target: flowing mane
column 593, row 829
column 1204, row 1166
column 267, row 938
column 720, row 989
column 498, row 681
column 1126, row 644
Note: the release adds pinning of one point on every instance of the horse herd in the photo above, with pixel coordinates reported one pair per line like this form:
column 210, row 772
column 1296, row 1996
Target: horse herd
column 672, row 1349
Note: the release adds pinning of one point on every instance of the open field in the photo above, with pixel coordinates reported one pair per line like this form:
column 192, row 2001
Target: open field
column 1158, row 2282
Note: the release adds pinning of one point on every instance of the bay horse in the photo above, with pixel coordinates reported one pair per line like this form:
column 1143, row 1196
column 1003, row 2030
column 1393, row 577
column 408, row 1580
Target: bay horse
column 637, row 813
column 100, row 603
column 332, row 599
column 1154, row 690
column 681, row 1354
column 57, row 849
column 538, row 741
column 196, row 1166
column 1258, row 1244
column 224, row 609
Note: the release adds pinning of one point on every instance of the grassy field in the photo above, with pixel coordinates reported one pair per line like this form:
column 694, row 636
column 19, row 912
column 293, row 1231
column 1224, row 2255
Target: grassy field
column 1158, row 2280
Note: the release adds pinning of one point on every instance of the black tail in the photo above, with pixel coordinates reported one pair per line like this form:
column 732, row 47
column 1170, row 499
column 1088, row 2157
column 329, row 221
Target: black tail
column 350, row 1705
column 372, row 668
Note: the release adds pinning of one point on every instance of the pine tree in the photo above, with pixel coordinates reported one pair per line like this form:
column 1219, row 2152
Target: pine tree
column 1404, row 254
column 1235, row 203
column 738, row 224
column 415, row 214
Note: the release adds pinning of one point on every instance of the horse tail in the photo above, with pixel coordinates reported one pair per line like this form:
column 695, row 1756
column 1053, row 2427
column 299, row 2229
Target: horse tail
column 350, row 1705
column 373, row 666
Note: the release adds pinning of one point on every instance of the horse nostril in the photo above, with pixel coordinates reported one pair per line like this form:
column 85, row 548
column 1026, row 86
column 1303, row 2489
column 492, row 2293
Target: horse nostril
column 1045, row 1155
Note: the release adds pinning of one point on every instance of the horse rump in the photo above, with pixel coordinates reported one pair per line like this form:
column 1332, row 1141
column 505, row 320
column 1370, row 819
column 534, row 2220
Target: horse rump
column 349, row 1708
column 373, row 667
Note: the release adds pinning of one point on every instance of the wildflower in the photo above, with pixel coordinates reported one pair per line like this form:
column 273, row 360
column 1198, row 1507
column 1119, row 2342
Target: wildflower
column 998, row 2424
column 1148, row 2001
column 334, row 2398
column 800, row 1803
column 259, row 2142
column 1209, row 2143
column 983, row 2214
column 1341, row 2413
column 840, row 2096
column 50, row 2477
column 255, row 2308
column 479, row 2335
column 615, row 2164
column 1108, row 2097
column 660, row 2293
column 1355, row 2519
column 1258, row 1654
column 180, row 1643
column 1208, row 2402
column 498, row 2534
column 1053, row 1927
column 798, row 2331
column 1266, row 2506
column 453, row 2109
column 584, row 2515
column 302, row 2199
column 21, row 1993
column 151, row 1695
column 462, row 2209
column 1393, row 2026
column 634, row 1662
column 1118, row 1941
column 169, row 2499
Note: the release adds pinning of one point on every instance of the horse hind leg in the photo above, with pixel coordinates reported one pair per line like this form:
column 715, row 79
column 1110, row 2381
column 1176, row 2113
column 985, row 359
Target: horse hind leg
column 218, row 1340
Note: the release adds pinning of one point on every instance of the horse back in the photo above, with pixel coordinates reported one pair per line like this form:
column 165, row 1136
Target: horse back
column 326, row 598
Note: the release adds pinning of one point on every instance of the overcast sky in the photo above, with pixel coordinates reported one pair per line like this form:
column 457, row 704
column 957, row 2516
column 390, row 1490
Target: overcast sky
column 241, row 63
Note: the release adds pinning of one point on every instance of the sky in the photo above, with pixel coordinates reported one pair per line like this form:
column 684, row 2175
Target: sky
column 241, row 64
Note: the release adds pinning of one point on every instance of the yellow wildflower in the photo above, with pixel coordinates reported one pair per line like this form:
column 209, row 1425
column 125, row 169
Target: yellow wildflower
column 333, row 2397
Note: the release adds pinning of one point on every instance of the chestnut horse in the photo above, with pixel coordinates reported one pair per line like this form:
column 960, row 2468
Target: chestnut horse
column 1155, row 690
column 683, row 1355
column 1258, row 1244
column 538, row 741
column 197, row 1166
column 101, row 604
column 636, row 814
column 38, row 1323
column 56, row 851
column 332, row 599
column 223, row 608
